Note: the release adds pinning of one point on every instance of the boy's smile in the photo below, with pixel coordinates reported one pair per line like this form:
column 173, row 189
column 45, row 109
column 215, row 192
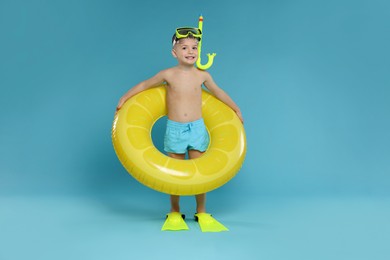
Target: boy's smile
column 190, row 57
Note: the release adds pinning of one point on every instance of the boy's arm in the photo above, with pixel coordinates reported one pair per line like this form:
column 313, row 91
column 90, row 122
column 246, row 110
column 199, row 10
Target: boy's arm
column 144, row 85
column 222, row 95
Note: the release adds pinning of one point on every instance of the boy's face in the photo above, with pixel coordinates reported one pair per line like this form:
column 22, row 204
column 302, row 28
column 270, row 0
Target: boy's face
column 186, row 51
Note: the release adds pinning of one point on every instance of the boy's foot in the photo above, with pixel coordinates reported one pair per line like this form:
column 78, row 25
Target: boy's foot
column 209, row 224
column 174, row 221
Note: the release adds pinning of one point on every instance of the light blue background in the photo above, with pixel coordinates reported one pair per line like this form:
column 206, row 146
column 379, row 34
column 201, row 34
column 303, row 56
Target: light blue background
column 312, row 80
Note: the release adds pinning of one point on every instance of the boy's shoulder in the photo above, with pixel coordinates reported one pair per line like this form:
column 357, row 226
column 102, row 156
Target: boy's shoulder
column 205, row 74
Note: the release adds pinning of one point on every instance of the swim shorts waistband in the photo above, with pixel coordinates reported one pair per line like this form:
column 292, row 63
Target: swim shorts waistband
column 198, row 122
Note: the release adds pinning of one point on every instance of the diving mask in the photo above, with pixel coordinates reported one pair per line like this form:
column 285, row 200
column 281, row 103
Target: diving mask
column 184, row 32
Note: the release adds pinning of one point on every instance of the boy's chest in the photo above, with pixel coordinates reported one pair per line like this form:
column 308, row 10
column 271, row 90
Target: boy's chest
column 185, row 81
column 188, row 85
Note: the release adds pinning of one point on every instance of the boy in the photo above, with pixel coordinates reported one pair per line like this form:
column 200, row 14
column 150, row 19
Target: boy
column 184, row 104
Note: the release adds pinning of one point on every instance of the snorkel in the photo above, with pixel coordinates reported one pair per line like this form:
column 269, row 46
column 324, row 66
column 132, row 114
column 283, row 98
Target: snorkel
column 210, row 56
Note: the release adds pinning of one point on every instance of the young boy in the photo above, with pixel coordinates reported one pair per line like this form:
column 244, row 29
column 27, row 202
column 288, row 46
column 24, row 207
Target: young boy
column 184, row 103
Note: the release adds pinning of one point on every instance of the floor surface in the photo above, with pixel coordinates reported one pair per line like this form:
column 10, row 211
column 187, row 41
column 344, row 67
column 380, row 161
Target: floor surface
column 71, row 227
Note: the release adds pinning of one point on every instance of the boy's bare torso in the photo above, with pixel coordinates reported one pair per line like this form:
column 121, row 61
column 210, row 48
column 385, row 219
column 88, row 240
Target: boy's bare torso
column 184, row 94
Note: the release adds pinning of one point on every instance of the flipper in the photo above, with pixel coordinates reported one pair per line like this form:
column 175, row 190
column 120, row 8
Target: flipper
column 175, row 221
column 209, row 224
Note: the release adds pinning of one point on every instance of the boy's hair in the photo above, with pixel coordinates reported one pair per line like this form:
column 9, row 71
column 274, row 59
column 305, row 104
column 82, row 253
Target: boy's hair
column 175, row 40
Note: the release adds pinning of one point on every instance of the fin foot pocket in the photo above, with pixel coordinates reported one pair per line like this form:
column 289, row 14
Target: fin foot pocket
column 174, row 221
column 209, row 224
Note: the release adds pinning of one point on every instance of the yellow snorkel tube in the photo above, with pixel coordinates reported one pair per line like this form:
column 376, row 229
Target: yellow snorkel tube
column 210, row 56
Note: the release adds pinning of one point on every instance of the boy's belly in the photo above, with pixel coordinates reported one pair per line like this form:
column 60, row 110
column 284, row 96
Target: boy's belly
column 184, row 116
column 184, row 111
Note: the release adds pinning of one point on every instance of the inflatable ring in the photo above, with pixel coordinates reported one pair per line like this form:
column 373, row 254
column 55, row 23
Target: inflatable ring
column 131, row 136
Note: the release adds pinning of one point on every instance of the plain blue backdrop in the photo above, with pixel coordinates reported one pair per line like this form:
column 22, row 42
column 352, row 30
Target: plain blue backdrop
column 311, row 77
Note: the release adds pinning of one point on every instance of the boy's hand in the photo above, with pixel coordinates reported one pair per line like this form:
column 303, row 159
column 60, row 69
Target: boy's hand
column 120, row 104
column 240, row 116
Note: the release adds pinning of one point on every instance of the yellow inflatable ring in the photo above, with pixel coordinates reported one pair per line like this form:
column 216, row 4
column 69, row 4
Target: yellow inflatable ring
column 131, row 136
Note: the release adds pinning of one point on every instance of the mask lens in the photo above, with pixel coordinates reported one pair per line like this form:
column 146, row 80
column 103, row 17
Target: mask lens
column 186, row 31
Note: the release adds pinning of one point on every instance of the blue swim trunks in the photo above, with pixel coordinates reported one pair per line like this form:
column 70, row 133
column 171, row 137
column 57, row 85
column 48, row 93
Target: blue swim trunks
column 180, row 137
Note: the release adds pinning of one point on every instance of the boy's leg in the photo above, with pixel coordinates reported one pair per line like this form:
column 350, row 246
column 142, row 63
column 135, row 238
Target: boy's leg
column 200, row 203
column 200, row 198
column 175, row 199
column 175, row 207
column 206, row 222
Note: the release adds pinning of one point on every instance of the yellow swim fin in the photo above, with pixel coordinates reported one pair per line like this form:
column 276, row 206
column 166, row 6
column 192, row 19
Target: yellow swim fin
column 175, row 221
column 209, row 224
